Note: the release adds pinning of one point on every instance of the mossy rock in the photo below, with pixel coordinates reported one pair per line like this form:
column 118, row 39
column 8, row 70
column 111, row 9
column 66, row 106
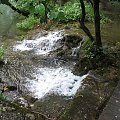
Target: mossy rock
column 83, row 107
column 82, row 66
column 90, row 99
column 109, row 73
column 85, row 64
column 71, row 40
column 68, row 42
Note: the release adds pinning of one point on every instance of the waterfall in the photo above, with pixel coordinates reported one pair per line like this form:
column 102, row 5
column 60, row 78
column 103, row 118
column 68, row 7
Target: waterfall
column 46, row 80
column 54, row 80
column 42, row 45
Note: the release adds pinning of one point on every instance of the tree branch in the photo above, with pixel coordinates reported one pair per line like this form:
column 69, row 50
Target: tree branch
column 6, row 2
column 82, row 22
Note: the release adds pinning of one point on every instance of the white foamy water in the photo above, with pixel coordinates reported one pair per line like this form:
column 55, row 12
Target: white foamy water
column 42, row 45
column 60, row 80
column 49, row 80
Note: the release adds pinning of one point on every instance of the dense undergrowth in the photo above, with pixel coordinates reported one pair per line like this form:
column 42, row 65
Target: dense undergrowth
column 70, row 11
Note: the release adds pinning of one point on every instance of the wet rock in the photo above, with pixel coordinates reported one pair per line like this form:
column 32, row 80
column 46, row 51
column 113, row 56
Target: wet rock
column 82, row 107
column 11, row 88
column 30, row 116
column 7, row 88
column 82, row 66
column 40, row 34
column 93, row 94
column 68, row 43
column 24, row 100
column 21, row 101
column 30, row 99
column 71, row 40
column 12, row 116
column 2, row 63
column 52, row 105
column 110, row 73
column 1, row 81
column 96, row 77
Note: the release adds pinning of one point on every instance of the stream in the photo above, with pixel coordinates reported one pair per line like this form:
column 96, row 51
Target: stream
column 44, row 81
column 55, row 76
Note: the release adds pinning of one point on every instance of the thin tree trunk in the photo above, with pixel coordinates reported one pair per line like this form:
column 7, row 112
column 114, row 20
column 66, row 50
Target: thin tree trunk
column 97, row 23
column 82, row 22
column 46, row 12
column 6, row 2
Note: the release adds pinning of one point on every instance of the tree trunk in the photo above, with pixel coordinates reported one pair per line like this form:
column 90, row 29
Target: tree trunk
column 46, row 12
column 97, row 23
column 82, row 22
column 6, row 2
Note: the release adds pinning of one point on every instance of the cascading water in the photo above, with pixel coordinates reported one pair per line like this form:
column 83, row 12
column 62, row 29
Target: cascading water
column 42, row 45
column 58, row 79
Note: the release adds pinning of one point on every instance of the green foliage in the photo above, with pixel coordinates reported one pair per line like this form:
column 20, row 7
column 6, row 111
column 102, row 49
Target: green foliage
column 2, row 52
column 28, row 23
column 104, row 19
column 53, row 14
column 40, row 9
column 71, row 11
column 33, row 6
column 2, row 97
column 88, row 47
column 89, row 12
column 36, row 9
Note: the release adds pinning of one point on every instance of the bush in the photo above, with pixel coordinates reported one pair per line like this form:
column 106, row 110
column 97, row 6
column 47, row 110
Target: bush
column 28, row 23
column 89, row 12
column 71, row 11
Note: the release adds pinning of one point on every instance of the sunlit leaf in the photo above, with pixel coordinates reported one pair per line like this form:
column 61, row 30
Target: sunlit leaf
column 40, row 9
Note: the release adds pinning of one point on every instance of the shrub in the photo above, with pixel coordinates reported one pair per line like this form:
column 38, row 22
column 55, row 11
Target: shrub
column 71, row 11
column 27, row 23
